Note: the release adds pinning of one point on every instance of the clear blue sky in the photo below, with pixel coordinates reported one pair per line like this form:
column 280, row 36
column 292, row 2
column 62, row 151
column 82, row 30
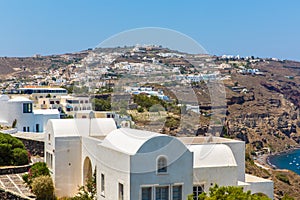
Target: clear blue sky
column 264, row 28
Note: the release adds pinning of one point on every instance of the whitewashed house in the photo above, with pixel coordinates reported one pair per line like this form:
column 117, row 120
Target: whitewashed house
column 21, row 110
column 141, row 165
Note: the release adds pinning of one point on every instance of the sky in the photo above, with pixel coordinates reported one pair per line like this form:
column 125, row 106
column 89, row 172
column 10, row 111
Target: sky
column 262, row 28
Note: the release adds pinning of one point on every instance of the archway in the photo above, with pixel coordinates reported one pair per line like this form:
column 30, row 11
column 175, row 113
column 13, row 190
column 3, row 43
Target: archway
column 87, row 170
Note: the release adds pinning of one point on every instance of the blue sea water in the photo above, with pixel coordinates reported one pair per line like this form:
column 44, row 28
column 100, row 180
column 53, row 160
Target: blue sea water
column 289, row 160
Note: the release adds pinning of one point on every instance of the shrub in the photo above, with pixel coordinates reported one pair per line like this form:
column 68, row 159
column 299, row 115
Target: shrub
column 228, row 192
column 140, row 109
column 12, row 151
column 37, row 169
column 20, row 156
column 43, row 188
column 287, row 197
column 172, row 122
column 283, row 178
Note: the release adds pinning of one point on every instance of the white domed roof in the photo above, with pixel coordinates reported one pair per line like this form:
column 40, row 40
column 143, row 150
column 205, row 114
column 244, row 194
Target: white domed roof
column 128, row 140
column 4, row 98
column 212, row 155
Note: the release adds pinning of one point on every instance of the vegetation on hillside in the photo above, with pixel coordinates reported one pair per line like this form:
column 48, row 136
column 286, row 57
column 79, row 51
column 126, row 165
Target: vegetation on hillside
column 101, row 104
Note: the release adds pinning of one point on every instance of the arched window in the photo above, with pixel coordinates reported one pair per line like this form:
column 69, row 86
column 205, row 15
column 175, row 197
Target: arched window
column 162, row 164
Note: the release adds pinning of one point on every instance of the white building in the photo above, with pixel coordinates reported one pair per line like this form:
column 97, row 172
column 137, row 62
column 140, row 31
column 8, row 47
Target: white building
column 21, row 110
column 135, row 164
column 41, row 92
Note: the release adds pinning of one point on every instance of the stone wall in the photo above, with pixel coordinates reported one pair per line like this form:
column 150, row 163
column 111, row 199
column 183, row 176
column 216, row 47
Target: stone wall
column 14, row 169
column 35, row 148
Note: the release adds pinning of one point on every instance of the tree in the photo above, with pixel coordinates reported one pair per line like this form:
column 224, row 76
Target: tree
column 14, row 124
column 43, row 188
column 228, row 193
column 89, row 190
column 101, row 104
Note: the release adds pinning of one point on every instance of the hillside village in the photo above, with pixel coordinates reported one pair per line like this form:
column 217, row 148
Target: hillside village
column 254, row 100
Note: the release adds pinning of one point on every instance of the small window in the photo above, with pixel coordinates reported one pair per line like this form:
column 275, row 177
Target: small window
column 177, row 192
column 197, row 190
column 24, row 129
column 121, row 191
column 49, row 137
column 162, row 193
column 27, row 107
column 146, row 193
column 162, row 165
column 28, row 130
column 102, row 185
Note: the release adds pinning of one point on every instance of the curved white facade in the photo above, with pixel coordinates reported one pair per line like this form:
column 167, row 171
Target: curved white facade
column 135, row 164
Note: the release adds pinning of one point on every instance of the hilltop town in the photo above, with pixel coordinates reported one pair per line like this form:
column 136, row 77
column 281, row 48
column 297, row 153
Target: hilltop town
column 255, row 100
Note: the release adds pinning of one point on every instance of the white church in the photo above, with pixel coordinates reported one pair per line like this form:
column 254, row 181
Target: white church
column 141, row 165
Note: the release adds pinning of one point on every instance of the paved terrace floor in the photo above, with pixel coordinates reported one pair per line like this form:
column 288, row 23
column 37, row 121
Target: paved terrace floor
column 15, row 183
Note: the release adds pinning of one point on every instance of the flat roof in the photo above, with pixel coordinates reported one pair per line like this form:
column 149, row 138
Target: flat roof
column 42, row 88
column 206, row 140
column 29, row 136
column 254, row 179
column 46, row 112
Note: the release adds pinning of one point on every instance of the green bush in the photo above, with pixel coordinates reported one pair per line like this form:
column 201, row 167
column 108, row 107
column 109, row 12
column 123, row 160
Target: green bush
column 172, row 122
column 20, row 156
column 12, row 151
column 101, row 104
column 283, row 178
column 140, row 109
column 43, row 188
column 228, row 192
column 37, row 169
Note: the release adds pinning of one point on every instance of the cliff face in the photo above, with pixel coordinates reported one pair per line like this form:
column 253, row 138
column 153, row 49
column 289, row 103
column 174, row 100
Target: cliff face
column 271, row 113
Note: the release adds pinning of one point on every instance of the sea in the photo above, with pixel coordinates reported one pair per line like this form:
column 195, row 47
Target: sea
column 289, row 160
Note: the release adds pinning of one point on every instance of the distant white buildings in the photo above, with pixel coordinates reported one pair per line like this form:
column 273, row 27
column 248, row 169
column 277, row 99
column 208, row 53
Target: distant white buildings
column 250, row 71
column 21, row 110
column 141, row 165
column 148, row 91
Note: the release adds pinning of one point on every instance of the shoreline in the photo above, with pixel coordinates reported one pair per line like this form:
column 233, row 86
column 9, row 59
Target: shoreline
column 264, row 160
column 268, row 156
